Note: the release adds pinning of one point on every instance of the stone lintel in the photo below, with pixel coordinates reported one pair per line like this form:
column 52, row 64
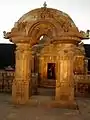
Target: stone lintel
column 66, row 40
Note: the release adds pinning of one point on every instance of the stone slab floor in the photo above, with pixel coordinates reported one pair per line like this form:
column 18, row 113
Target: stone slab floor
column 8, row 111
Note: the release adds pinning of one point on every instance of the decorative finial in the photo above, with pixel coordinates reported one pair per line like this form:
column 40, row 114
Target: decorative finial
column 45, row 4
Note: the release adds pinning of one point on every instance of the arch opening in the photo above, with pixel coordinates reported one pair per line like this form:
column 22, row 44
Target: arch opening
column 42, row 28
column 43, row 39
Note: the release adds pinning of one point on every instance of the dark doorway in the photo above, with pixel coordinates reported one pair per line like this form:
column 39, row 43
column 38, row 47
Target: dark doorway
column 51, row 71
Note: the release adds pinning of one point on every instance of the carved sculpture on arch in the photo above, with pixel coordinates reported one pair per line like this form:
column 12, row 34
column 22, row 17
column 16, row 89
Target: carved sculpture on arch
column 43, row 27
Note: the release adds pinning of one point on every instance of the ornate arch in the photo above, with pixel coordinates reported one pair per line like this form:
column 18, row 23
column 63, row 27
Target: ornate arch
column 40, row 28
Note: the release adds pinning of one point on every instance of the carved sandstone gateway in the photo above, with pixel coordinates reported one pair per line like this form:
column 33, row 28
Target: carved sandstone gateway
column 63, row 38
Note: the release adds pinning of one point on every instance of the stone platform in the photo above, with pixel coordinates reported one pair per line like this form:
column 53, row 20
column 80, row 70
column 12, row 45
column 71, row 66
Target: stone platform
column 42, row 112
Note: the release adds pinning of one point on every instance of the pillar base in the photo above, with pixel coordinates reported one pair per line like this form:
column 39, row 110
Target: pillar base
column 54, row 104
column 20, row 92
column 63, row 104
column 19, row 102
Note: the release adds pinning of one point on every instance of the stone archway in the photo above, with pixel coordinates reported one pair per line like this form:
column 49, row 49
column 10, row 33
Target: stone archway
column 63, row 33
column 20, row 87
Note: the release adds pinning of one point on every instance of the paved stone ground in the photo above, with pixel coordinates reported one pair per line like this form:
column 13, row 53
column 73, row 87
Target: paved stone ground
column 8, row 111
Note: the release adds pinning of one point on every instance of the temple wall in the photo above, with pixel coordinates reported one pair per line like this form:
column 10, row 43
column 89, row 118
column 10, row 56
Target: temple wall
column 79, row 65
column 43, row 66
column 47, row 55
column 82, row 83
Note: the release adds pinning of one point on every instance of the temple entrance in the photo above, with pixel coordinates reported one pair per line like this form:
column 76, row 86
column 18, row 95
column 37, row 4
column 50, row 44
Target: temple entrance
column 51, row 71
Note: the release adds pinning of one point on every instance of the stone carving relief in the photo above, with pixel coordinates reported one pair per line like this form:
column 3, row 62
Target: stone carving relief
column 63, row 20
column 81, row 48
column 21, row 28
column 20, row 92
column 42, row 28
column 45, row 13
column 66, row 26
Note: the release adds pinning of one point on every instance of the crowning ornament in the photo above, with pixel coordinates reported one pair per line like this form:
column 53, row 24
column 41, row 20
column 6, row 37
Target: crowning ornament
column 45, row 4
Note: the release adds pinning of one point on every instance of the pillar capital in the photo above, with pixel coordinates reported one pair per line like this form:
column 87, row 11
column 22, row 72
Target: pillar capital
column 23, row 39
column 23, row 51
column 66, row 51
column 68, row 37
column 23, row 47
column 19, row 37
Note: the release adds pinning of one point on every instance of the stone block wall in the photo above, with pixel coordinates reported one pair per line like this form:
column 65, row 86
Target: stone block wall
column 82, row 83
column 6, row 79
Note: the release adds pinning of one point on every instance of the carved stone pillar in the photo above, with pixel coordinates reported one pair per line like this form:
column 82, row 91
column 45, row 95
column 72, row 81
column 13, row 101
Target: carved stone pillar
column 32, row 64
column 65, row 82
column 20, row 87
